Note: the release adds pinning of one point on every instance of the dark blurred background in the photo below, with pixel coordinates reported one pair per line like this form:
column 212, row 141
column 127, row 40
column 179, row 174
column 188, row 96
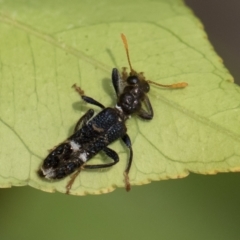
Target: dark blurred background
column 195, row 208
column 221, row 19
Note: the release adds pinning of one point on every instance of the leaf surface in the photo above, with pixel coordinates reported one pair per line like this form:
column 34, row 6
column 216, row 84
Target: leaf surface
column 47, row 46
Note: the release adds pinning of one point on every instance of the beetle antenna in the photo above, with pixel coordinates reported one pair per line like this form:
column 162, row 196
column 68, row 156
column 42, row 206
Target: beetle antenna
column 124, row 39
column 174, row 85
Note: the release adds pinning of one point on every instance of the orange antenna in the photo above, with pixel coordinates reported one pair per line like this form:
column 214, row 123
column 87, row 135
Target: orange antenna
column 174, row 85
column 124, row 39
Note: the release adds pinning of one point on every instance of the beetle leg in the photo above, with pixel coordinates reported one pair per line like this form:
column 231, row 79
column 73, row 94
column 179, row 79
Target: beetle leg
column 83, row 120
column 86, row 98
column 116, row 81
column 73, row 177
column 110, row 153
column 148, row 115
column 126, row 139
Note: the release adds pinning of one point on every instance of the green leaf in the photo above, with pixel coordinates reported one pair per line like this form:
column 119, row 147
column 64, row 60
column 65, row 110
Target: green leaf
column 47, row 46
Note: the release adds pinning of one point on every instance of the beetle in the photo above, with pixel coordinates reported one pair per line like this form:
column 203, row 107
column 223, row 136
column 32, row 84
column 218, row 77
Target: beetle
column 93, row 134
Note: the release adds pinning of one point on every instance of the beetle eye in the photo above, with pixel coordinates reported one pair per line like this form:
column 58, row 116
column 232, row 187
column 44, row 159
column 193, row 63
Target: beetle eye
column 145, row 87
column 132, row 80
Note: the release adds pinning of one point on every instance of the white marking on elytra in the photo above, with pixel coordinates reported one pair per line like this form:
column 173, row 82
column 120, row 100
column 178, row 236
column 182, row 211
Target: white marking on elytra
column 118, row 108
column 83, row 156
column 48, row 173
column 75, row 146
